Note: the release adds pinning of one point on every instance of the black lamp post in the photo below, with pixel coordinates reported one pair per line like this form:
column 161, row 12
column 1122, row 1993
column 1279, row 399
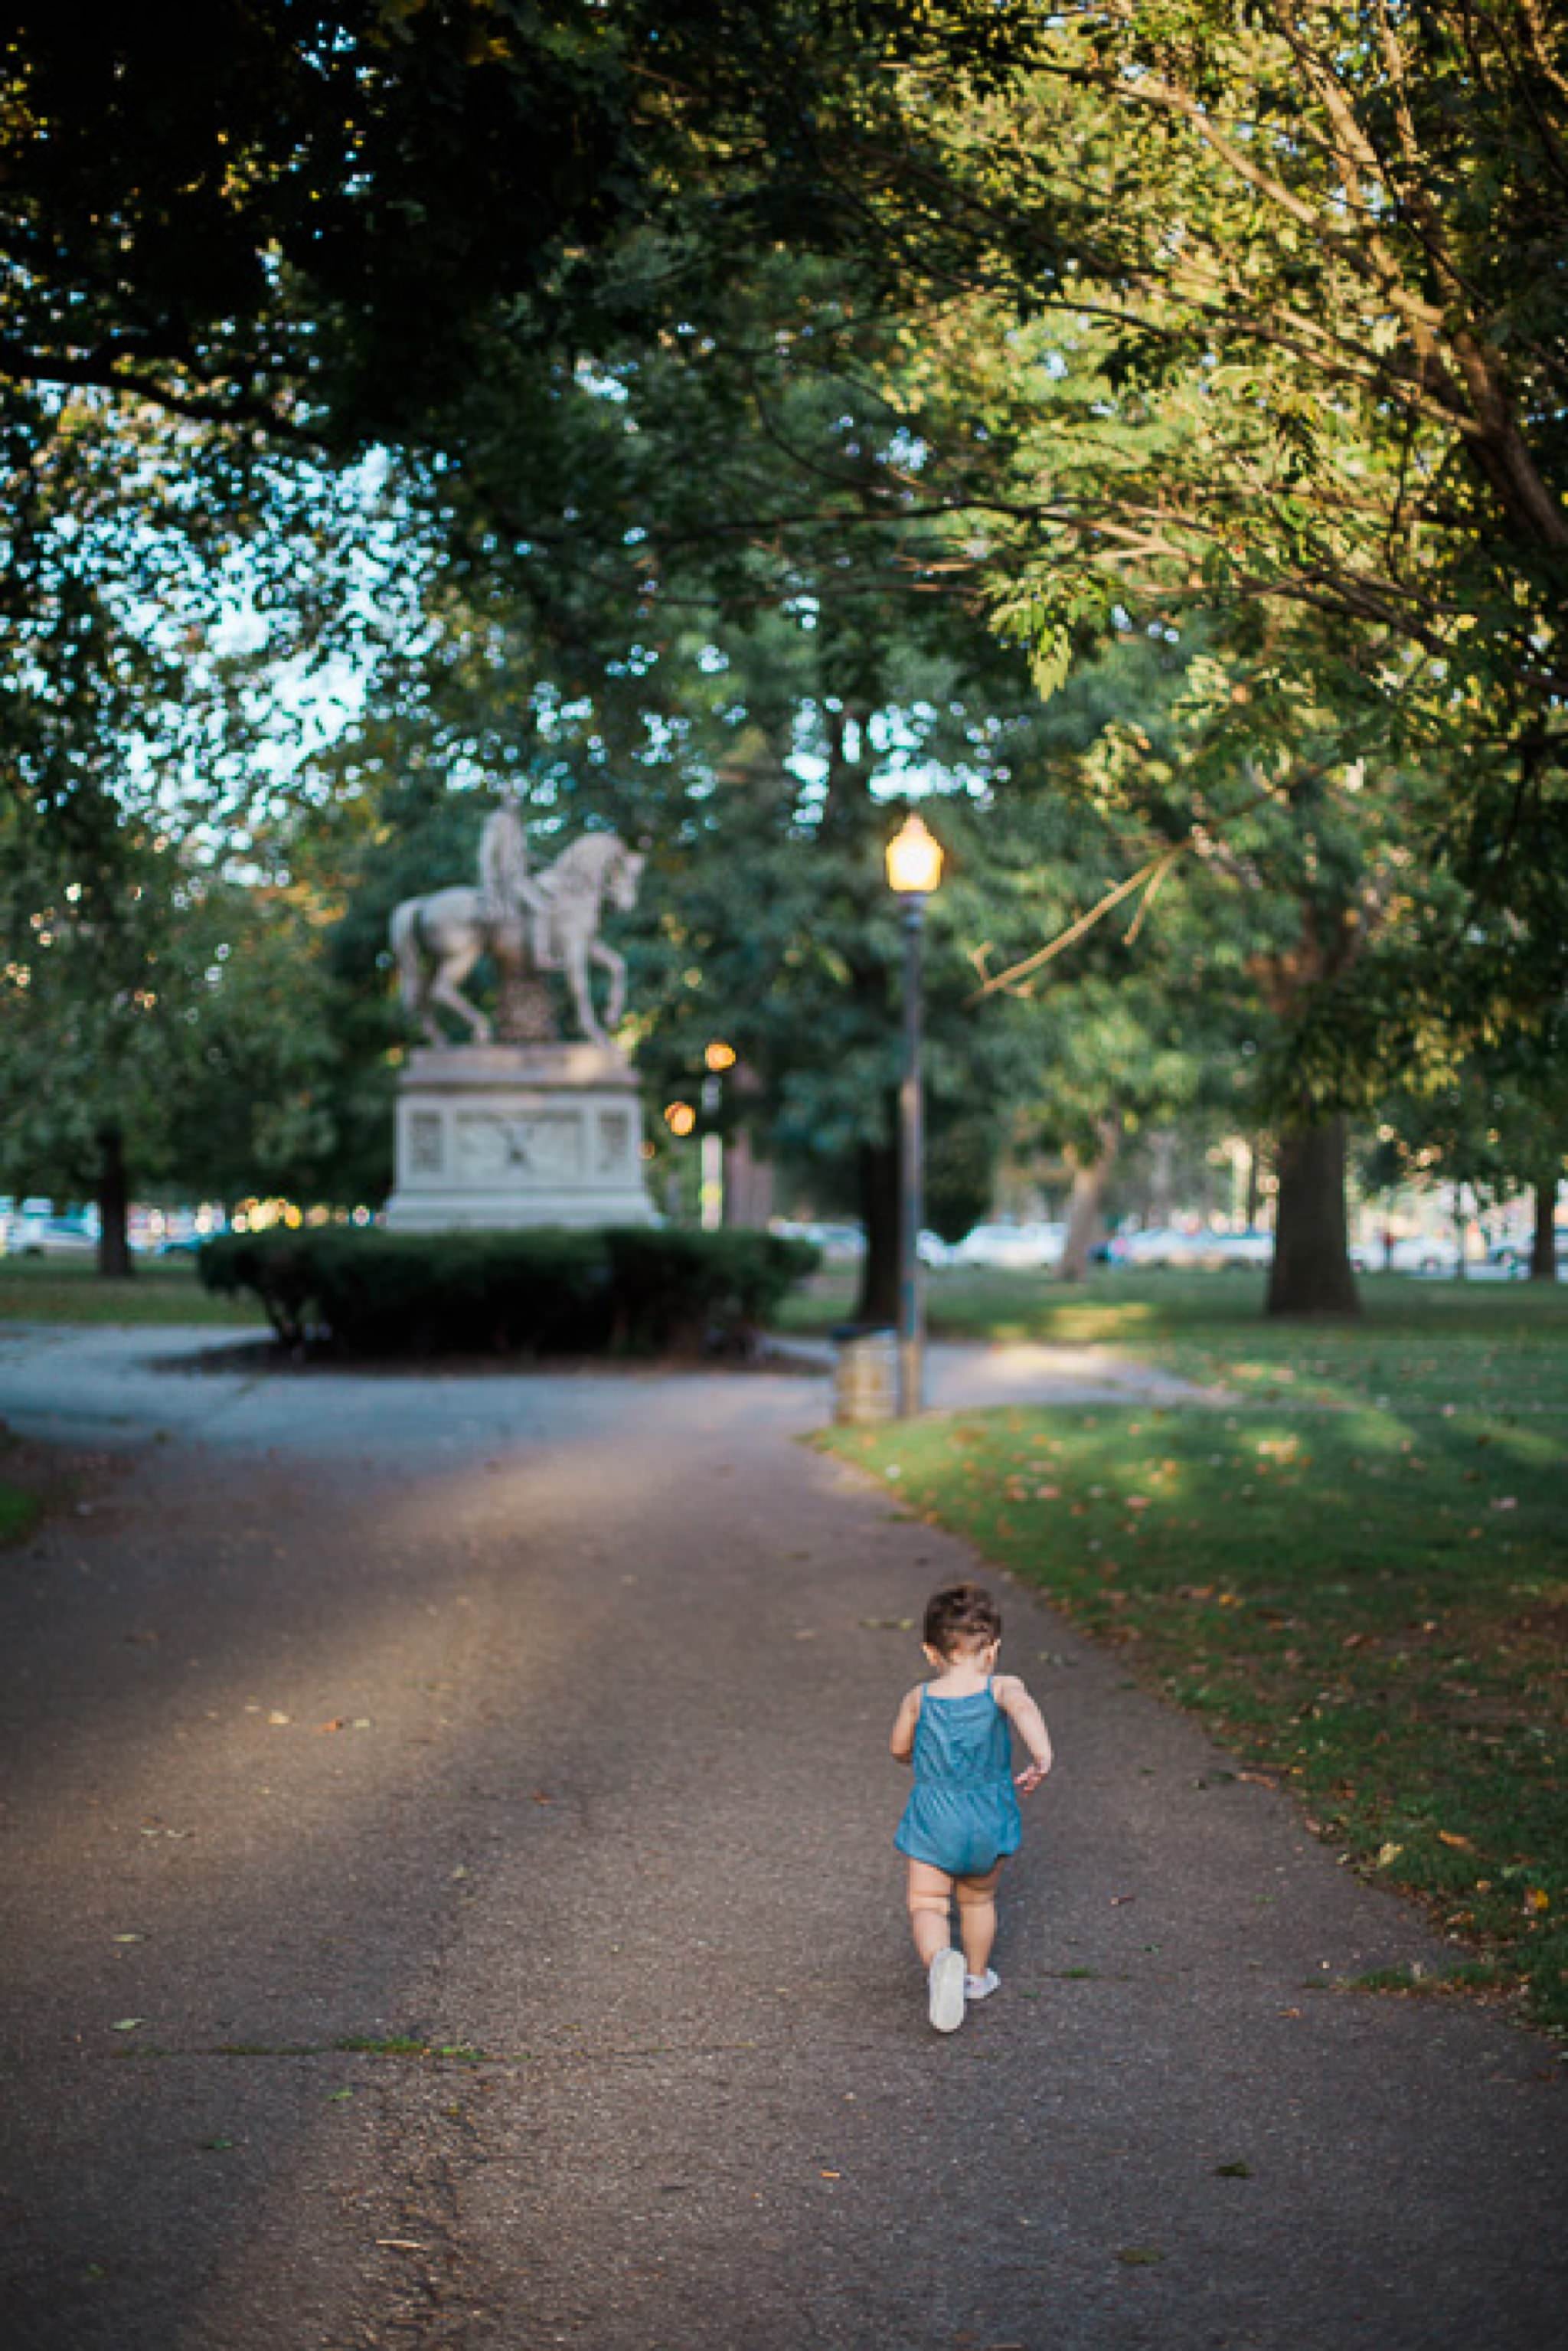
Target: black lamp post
column 718, row 1057
column 913, row 870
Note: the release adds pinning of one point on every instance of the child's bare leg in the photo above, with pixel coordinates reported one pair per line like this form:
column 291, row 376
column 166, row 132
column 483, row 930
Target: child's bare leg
column 978, row 1919
column 930, row 1899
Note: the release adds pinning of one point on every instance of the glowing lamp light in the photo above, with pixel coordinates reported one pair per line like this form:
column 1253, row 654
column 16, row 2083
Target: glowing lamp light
column 680, row 1117
column 913, row 859
column 720, row 1056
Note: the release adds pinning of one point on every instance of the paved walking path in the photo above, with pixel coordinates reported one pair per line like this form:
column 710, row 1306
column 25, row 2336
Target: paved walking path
column 112, row 1386
column 542, row 1721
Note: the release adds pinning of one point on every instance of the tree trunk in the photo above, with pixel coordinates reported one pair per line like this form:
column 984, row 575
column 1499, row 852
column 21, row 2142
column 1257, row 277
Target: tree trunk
column 1544, row 1241
column 1254, row 1182
column 1461, row 1269
column 1089, row 1177
column 878, row 1300
column 113, row 1205
column 1162, row 1179
column 1311, row 1270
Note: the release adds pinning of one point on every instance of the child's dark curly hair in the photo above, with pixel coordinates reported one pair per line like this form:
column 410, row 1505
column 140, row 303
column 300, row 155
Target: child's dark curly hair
column 961, row 1616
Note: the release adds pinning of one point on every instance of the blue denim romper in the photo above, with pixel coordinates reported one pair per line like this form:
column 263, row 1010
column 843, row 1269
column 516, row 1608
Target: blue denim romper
column 963, row 1811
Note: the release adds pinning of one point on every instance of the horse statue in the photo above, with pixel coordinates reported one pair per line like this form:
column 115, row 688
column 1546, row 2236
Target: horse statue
column 548, row 919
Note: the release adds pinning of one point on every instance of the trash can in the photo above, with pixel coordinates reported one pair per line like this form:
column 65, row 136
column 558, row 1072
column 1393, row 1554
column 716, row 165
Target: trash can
column 865, row 1373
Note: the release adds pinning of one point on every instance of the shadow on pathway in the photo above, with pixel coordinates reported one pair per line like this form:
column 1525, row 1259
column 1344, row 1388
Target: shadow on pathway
column 609, row 1809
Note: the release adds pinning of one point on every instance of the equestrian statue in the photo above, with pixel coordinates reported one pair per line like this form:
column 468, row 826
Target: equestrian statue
column 529, row 923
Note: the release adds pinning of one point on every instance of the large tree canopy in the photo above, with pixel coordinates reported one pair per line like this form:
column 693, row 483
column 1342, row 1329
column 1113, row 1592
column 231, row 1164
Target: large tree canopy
column 692, row 326
column 299, row 213
column 1296, row 270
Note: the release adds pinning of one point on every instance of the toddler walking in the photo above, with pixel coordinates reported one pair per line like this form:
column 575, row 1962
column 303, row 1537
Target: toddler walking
column 962, row 1818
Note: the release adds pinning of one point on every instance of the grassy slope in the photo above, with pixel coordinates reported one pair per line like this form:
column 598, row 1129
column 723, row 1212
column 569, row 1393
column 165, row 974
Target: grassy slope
column 18, row 1511
column 1360, row 1582
column 164, row 1290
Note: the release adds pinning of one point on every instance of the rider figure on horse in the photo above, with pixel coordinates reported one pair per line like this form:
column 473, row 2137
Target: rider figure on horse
column 507, row 889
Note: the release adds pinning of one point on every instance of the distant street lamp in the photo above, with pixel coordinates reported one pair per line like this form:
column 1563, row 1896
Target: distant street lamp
column 913, row 870
column 718, row 1057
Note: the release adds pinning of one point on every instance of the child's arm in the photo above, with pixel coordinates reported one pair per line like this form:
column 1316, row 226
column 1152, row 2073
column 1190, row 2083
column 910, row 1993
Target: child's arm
column 903, row 1740
column 1029, row 1723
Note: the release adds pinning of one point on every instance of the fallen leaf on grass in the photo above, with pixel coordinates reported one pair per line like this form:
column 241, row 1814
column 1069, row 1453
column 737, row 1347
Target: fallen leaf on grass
column 1461, row 1844
column 1537, row 1899
column 1387, row 1853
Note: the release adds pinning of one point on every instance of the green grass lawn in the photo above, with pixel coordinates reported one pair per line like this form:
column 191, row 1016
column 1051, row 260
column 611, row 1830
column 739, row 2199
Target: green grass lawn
column 1359, row 1581
column 18, row 1510
column 161, row 1290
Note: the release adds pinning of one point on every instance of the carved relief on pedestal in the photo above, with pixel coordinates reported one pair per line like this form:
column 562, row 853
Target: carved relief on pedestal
column 543, row 1146
column 614, row 1141
column 425, row 1155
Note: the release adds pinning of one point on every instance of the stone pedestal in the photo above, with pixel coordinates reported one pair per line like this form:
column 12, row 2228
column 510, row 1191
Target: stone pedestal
column 495, row 1137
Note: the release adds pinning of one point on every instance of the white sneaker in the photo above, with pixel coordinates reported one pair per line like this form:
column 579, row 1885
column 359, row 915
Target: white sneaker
column 982, row 1987
column 947, row 1981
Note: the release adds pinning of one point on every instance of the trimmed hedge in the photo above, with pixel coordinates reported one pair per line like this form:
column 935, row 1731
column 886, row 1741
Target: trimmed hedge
column 544, row 1291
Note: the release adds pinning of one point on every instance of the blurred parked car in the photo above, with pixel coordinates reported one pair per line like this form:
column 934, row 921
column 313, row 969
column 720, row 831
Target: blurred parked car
column 1511, row 1257
column 840, row 1243
column 1167, row 1245
column 1154, row 1245
column 1018, row 1247
column 34, row 1236
column 1413, row 1253
column 15, row 1213
column 1230, row 1249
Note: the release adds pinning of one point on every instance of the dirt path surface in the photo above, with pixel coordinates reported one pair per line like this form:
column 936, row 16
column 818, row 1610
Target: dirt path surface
column 542, row 1722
